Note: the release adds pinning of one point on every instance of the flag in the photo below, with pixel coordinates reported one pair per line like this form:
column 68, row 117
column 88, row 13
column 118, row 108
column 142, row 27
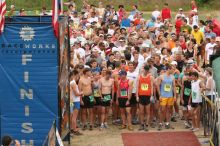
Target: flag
column 2, row 15
column 55, row 17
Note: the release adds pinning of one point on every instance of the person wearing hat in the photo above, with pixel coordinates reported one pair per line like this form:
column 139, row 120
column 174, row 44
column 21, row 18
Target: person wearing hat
column 124, row 94
column 145, row 88
column 200, row 38
column 167, row 90
column 180, row 13
column 12, row 11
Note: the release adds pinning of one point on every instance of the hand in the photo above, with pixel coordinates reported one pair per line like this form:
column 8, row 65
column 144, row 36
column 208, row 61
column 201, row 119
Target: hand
column 137, row 99
column 182, row 101
column 81, row 102
column 17, row 143
column 160, row 99
column 174, row 98
column 128, row 102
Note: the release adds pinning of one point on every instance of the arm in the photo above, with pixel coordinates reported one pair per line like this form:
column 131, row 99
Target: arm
column 174, row 87
column 137, row 97
column 152, row 86
column 182, row 92
column 73, row 87
column 208, row 85
column 113, row 89
column 100, row 87
column 130, row 89
column 158, row 85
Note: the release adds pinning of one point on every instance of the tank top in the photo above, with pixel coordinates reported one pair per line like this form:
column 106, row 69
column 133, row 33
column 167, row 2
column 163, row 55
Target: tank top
column 124, row 86
column 144, row 85
column 74, row 98
column 196, row 93
column 133, row 76
column 166, row 88
column 189, row 54
column 187, row 89
column 96, row 89
column 211, row 92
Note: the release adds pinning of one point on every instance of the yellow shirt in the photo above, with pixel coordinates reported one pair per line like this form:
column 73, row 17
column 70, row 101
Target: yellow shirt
column 199, row 36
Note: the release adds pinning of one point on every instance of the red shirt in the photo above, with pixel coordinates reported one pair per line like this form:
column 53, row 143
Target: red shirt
column 166, row 13
column 178, row 26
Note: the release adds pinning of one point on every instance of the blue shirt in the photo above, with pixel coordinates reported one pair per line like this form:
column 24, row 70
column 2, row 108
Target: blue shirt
column 125, row 23
column 166, row 88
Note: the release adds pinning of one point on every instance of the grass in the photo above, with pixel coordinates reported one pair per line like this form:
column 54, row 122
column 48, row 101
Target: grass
column 144, row 5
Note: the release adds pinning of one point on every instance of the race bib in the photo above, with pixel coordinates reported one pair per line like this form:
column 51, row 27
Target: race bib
column 107, row 97
column 194, row 95
column 91, row 98
column 96, row 93
column 177, row 90
column 187, row 91
column 167, row 87
column 144, row 87
column 124, row 93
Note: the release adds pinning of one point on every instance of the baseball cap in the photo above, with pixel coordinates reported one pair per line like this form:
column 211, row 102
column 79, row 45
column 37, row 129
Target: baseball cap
column 190, row 61
column 122, row 72
column 173, row 63
column 180, row 9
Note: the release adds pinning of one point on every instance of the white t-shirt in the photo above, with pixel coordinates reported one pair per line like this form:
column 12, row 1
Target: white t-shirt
column 81, row 52
column 133, row 77
column 74, row 98
column 196, row 92
column 209, row 49
column 156, row 14
column 93, row 19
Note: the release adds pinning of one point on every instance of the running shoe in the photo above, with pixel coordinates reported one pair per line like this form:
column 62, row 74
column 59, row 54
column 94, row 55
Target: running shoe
column 90, row 128
column 160, row 126
column 130, row 128
column 84, row 127
column 122, row 127
column 141, row 127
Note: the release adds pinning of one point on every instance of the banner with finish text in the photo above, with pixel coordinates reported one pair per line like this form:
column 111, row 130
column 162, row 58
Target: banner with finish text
column 28, row 80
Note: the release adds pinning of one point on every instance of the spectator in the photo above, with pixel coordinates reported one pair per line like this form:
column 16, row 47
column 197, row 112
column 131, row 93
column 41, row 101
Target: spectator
column 8, row 141
column 166, row 12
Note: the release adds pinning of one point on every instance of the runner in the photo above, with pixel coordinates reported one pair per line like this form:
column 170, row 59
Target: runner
column 85, row 86
column 197, row 89
column 144, row 94
column 97, row 97
column 167, row 90
column 124, row 94
column 74, row 101
column 132, row 76
column 107, row 92
column 185, row 98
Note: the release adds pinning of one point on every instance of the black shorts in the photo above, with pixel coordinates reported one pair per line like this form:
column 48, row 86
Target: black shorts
column 122, row 102
column 97, row 101
column 210, row 97
column 88, row 102
column 157, row 96
column 186, row 101
column 115, row 97
column 199, row 50
column 144, row 100
column 195, row 105
column 106, row 102
column 133, row 100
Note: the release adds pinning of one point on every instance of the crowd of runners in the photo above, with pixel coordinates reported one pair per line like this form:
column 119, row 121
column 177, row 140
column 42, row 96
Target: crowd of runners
column 139, row 71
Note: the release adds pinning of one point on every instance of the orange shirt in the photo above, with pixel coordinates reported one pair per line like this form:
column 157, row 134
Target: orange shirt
column 144, row 87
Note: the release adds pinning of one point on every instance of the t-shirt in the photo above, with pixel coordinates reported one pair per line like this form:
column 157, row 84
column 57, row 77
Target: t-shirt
column 74, row 98
column 125, row 23
column 156, row 14
column 209, row 49
column 199, row 35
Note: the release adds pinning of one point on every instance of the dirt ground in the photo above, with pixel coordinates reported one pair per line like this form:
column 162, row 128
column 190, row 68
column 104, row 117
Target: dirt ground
column 112, row 135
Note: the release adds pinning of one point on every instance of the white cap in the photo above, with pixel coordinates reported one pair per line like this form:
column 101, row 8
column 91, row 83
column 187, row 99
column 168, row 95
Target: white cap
column 88, row 24
column 12, row 6
column 173, row 63
column 190, row 61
